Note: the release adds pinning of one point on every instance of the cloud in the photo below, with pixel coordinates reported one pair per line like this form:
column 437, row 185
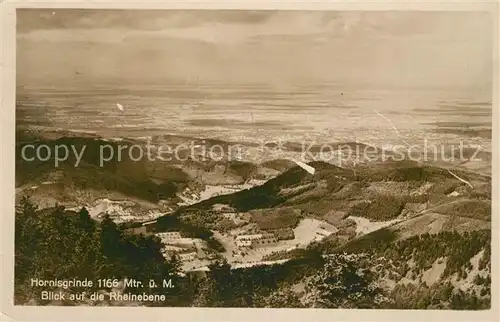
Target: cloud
column 233, row 26
column 36, row 19
column 411, row 48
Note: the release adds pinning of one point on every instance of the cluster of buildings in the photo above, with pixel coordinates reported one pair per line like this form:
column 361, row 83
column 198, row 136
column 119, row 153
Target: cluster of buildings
column 184, row 248
column 169, row 235
column 122, row 212
column 256, row 240
column 257, row 237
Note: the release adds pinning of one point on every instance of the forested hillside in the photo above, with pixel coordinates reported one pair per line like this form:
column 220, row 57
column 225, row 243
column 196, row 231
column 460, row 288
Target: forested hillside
column 58, row 244
column 375, row 271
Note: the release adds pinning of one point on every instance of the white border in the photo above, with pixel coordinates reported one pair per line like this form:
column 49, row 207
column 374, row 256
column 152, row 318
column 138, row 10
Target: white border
column 7, row 94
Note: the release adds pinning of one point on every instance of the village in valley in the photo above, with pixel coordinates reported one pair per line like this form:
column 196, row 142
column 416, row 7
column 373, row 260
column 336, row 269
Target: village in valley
column 245, row 246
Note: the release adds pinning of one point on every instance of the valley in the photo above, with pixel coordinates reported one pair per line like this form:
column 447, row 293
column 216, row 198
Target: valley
column 251, row 216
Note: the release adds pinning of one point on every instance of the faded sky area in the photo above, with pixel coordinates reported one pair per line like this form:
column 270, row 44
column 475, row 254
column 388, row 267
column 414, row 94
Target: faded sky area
column 381, row 49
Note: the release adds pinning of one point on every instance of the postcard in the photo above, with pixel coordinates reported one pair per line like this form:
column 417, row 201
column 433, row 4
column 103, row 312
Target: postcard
column 250, row 161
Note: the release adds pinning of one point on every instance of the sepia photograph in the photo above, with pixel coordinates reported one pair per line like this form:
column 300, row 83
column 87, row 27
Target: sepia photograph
column 327, row 159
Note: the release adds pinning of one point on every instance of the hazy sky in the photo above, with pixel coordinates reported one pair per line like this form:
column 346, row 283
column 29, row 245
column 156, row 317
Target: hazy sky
column 411, row 49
